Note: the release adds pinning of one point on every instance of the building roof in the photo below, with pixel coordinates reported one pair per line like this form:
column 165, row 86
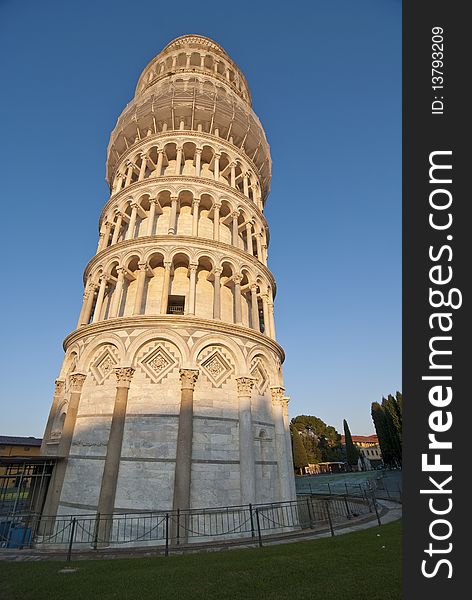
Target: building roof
column 370, row 439
column 14, row 440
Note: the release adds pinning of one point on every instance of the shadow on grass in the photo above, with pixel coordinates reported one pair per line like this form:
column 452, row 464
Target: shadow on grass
column 364, row 565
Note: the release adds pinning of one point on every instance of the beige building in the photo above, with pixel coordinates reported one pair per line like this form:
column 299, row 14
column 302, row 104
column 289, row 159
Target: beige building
column 171, row 391
column 369, row 448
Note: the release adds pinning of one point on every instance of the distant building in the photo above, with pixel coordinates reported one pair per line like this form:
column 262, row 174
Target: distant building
column 368, row 445
column 19, row 446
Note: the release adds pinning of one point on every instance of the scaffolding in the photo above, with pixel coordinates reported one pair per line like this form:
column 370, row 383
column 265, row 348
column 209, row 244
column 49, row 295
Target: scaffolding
column 23, row 486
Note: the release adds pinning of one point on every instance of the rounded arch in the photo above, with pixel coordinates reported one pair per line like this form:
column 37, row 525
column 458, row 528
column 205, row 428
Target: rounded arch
column 98, row 341
column 168, row 336
column 225, row 341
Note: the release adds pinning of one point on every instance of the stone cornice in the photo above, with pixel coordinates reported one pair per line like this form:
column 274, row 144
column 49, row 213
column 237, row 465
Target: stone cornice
column 184, row 179
column 181, row 240
column 189, row 134
column 172, row 322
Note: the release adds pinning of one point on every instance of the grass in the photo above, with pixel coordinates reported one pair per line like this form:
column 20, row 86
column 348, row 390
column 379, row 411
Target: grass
column 364, row 565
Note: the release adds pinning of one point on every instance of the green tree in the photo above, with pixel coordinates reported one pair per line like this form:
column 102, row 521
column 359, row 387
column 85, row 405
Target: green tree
column 387, row 418
column 352, row 453
column 300, row 459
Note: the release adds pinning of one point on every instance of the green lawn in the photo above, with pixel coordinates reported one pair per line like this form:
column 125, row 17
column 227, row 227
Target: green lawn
column 358, row 566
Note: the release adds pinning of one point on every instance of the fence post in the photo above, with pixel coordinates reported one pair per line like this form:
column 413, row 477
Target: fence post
column 95, row 533
column 178, row 527
column 360, row 489
column 347, row 490
column 71, row 538
column 311, row 491
column 167, row 534
column 252, row 521
column 348, row 510
column 309, row 513
column 366, row 498
column 374, row 500
column 258, row 528
column 329, row 518
column 329, row 488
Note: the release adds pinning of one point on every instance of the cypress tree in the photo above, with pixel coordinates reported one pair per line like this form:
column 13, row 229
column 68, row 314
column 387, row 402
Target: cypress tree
column 381, row 428
column 300, row 460
column 352, row 453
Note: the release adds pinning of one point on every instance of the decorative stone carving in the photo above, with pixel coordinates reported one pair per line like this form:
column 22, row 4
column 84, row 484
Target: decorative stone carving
column 188, row 378
column 259, row 372
column 245, row 385
column 158, row 363
column 102, row 367
column 216, row 367
column 124, row 376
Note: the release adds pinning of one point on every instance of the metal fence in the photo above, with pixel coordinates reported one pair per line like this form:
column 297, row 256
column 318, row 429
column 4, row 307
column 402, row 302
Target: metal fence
column 380, row 487
column 177, row 529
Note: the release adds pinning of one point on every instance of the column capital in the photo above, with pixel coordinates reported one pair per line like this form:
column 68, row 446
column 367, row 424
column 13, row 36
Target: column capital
column 216, row 205
column 235, row 214
column 277, row 392
column 58, row 386
column 172, row 198
column 198, row 150
column 196, row 201
column 134, row 205
column 245, row 385
column 217, row 271
column 237, row 278
column 193, row 267
column 121, row 270
column 77, row 381
column 142, row 266
column 254, row 287
column 167, row 264
column 124, row 376
column 188, row 378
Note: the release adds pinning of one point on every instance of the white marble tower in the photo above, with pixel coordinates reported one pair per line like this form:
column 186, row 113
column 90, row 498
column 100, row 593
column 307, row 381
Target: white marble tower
column 171, row 393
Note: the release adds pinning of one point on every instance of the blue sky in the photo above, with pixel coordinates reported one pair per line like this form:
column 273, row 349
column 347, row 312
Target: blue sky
column 325, row 78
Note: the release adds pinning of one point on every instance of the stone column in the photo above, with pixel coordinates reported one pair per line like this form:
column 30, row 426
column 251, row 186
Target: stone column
column 183, row 459
column 187, row 63
column 140, row 288
column 101, row 294
column 198, row 161
column 76, row 382
column 173, row 216
column 132, row 222
column 233, row 175
column 151, row 217
column 237, row 300
column 284, row 459
column 217, row 294
column 119, row 182
column 86, row 312
column 106, row 237
column 246, row 185
column 195, row 207
column 160, row 159
column 255, row 308
column 216, row 221
column 115, row 307
column 235, row 232
column 129, row 173
column 106, row 500
column 117, row 230
column 178, row 160
column 265, row 308
column 247, row 463
column 192, row 288
column 249, row 238
column 271, row 319
column 259, row 246
column 59, row 388
column 217, row 166
column 142, row 169
column 165, row 288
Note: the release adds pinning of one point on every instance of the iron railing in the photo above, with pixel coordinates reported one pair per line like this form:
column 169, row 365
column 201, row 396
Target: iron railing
column 180, row 528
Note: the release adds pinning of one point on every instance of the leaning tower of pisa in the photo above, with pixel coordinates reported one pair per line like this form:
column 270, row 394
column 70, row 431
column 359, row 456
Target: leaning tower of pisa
column 171, row 392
